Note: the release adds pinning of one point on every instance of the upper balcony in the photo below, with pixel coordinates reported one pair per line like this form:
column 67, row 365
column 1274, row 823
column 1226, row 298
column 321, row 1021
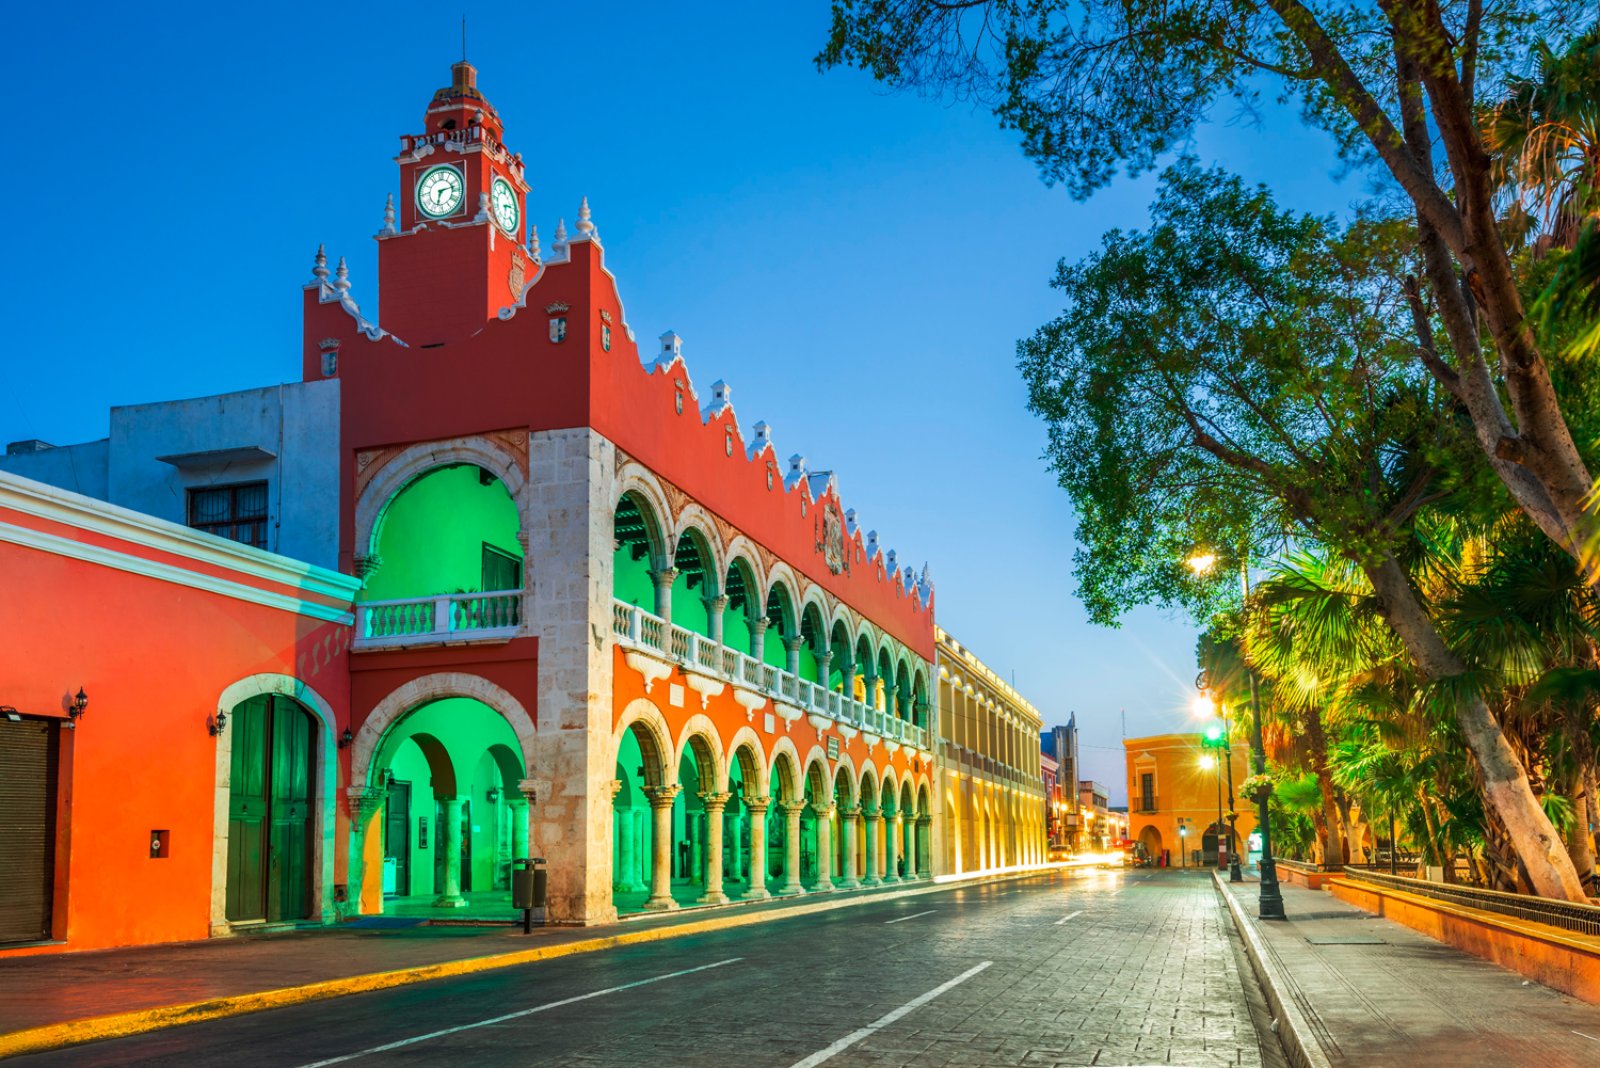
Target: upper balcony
column 792, row 695
column 446, row 565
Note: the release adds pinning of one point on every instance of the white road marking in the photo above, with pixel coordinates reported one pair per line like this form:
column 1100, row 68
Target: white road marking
column 1067, row 917
column 888, row 1018
column 514, row 1015
column 913, row 916
column 1591, row 1038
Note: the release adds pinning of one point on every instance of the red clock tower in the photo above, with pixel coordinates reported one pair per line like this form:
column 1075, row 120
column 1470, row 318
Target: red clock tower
column 456, row 254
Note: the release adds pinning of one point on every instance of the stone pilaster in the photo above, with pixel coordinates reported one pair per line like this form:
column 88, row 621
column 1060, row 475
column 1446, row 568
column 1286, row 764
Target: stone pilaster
column 824, row 814
column 363, row 804
column 847, row 826
column 661, row 798
column 869, row 812
column 449, row 841
column 714, row 804
column 663, row 580
column 757, row 807
column 715, row 608
column 791, row 847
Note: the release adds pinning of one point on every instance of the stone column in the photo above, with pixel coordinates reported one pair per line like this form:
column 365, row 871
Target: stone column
column 874, row 875
column 824, row 666
column 622, row 835
column 637, row 879
column 663, row 580
column 896, row 841
column 661, row 798
column 824, row 814
column 449, row 839
column 714, row 804
column 791, row 651
column 758, row 847
column 870, row 682
column 847, row 677
column 908, row 830
column 363, row 806
column 887, row 873
column 758, row 637
column 714, row 609
column 847, row 823
column 924, row 845
column 791, row 847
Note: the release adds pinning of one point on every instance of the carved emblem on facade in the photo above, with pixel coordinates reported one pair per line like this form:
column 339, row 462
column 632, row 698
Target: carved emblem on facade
column 556, row 308
column 833, row 539
column 558, row 329
column 518, row 276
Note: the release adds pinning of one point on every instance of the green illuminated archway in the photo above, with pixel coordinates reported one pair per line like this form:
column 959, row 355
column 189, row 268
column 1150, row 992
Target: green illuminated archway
column 451, row 530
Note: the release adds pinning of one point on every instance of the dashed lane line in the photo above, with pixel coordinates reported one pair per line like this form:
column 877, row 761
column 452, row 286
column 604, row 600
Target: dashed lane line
column 828, row 1052
column 1067, row 917
column 515, row 1015
column 902, row 919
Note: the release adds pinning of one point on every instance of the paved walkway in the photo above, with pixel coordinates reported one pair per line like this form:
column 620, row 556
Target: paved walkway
column 1377, row 994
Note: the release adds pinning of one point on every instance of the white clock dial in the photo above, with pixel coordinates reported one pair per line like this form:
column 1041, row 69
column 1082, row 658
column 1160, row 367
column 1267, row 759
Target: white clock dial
column 440, row 191
column 504, row 200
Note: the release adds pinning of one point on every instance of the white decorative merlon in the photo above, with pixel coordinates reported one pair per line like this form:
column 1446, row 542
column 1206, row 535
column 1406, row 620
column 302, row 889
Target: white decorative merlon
column 533, row 243
column 925, row 584
column 721, row 400
column 559, row 250
column 706, row 687
column 819, row 483
column 872, row 544
column 341, row 280
column 889, row 567
column 671, row 348
column 762, row 440
column 797, row 472
column 585, row 227
column 850, row 521
column 388, row 219
column 319, row 267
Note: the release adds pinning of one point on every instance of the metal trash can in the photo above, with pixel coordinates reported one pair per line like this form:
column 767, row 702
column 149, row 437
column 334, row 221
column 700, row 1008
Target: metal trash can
column 528, row 886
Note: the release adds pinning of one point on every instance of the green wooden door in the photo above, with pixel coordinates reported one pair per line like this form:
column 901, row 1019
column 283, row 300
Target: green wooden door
column 247, row 810
column 269, row 811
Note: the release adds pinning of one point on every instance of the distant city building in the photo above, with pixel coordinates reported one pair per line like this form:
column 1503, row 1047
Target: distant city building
column 994, row 798
column 1174, row 798
column 1060, row 743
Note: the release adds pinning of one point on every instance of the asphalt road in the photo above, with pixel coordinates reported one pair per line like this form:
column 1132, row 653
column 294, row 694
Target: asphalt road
column 1118, row 968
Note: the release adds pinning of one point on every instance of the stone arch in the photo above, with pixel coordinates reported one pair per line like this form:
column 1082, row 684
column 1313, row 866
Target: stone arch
column 695, row 519
column 440, row 767
column 782, row 573
column 650, row 728
column 869, row 783
column 708, row 756
column 741, row 547
column 783, row 771
column 889, row 790
column 781, row 595
column 325, row 775
column 419, row 691
column 510, row 768
column 404, row 468
column 745, row 747
column 845, row 773
column 809, row 597
column 817, row 776
column 632, row 502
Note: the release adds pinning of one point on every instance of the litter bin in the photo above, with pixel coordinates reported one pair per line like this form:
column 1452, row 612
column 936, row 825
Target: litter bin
column 528, row 881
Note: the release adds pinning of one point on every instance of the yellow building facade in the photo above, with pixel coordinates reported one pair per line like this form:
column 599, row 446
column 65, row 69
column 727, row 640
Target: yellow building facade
column 1176, row 787
column 991, row 793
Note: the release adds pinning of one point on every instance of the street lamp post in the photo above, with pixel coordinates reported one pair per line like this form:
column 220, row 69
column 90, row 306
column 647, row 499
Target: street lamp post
column 1235, row 875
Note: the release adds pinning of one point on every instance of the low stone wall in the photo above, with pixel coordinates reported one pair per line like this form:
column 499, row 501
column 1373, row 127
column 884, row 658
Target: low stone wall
column 1559, row 959
column 1306, row 875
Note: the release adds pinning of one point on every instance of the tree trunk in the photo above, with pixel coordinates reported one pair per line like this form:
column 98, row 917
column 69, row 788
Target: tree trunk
column 1506, row 792
column 1580, row 845
column 1332, row 834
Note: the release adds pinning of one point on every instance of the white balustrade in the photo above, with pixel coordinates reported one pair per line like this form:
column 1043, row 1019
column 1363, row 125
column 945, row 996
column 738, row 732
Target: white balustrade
column 494, row 614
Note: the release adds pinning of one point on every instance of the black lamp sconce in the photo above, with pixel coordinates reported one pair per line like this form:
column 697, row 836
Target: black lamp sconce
column 494, row 794
column 79, row 705
column 346, row 738
column 217, row 724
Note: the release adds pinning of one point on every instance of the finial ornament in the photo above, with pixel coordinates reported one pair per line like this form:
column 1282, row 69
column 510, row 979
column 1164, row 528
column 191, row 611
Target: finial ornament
column 585, row 223
column 533, row 241
column 341, row 277
column 319, row 269
column 558, row 247
column 388, row 216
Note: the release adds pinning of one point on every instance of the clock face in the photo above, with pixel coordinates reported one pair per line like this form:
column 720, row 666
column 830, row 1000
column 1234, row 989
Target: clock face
column 440, row 191
column 504, row 200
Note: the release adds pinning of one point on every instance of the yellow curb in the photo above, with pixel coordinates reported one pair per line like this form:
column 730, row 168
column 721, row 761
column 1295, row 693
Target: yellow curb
column 125, row 1024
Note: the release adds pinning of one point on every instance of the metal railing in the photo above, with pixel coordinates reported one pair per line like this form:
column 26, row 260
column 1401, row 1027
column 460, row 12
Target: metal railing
column 634, row 626
column 1567, row 915
column 481, row 615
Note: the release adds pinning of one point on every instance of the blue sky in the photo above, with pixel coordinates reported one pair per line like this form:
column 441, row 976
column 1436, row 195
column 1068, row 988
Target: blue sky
column 858, row 265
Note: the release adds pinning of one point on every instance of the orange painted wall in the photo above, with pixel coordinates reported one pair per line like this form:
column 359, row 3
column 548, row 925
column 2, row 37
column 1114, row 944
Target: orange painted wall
column 153, row 658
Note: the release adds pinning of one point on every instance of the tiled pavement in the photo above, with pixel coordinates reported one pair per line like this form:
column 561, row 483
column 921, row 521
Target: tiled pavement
column 1377, row 994
column 1114, row 968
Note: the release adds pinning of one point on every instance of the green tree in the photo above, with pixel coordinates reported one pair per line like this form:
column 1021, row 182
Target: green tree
column 1094, row 86
column 1240, row 376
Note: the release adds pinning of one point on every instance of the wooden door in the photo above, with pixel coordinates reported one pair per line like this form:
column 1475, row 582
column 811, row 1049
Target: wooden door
column 247, row 810
column 397, row 834
column 269, row 811
column 289, row 844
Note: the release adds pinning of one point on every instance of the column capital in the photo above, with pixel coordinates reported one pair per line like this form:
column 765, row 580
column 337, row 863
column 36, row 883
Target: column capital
column 713, row 801
column 792, row 642
column 757, row 805
column 529, row 790
column 870, row 810
column 364, row 801
column 923, row 821
column 715, row 604
column 662, row 796
column 792, row 808
column 665, row 576
column 614, row 787
column 849, row 811
column 823, row 809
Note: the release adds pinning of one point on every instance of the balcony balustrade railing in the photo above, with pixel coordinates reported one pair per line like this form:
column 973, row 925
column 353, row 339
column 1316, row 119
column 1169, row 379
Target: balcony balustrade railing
column 454, row 616
column 635, row 627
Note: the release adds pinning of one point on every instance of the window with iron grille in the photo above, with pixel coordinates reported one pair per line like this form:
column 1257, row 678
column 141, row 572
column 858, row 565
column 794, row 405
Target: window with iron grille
column 238, row 512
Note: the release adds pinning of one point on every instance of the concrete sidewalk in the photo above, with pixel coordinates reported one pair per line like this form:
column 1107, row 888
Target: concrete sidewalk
column 1360, row 990
column 61, row 999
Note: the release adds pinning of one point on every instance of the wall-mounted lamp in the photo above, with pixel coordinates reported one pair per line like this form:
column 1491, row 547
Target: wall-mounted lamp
column 494, row 794
column 79, row 705
column 217, row 724
column 346, row 738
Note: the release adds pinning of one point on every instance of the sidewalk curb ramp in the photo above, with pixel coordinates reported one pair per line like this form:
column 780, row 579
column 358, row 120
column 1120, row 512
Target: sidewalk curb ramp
column 126, row 1024
column 1294, row 1032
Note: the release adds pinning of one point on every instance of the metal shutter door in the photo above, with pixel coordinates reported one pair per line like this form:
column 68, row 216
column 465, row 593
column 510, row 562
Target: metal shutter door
column 29, row 754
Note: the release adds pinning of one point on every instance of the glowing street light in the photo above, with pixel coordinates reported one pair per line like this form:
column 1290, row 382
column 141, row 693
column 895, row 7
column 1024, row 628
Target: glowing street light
column 1208, row 762
column 1203, row 706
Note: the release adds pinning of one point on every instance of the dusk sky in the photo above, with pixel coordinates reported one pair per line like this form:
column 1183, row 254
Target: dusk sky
column 857, row 265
